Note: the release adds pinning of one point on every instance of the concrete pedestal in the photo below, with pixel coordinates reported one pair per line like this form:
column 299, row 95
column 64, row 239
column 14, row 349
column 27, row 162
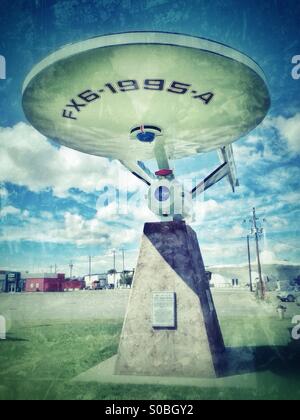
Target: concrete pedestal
column 170, row 261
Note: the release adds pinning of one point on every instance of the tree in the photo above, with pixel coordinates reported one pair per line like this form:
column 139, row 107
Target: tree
column 127, row 278
column 297, row 281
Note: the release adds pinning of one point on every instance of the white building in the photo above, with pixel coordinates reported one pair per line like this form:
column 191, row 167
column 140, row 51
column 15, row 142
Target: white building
column 91, row 280
column 114, row 280
column 219, row 281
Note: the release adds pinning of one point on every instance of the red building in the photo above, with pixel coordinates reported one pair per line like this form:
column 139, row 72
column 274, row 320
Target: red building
column 45, row 283
column 73, row 284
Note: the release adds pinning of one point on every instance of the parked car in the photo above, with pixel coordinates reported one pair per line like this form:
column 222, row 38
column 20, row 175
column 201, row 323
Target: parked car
column 287, row 299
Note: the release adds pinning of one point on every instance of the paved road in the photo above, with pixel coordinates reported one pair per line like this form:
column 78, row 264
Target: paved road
column 42, row 307
column 111, row 304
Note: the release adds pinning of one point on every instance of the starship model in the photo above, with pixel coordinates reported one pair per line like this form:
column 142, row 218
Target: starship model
column 147, row 96
column 141, row 96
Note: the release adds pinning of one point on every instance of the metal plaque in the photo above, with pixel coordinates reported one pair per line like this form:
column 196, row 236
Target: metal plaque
column 164, row 310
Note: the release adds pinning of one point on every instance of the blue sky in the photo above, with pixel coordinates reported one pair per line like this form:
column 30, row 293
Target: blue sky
column 53, row 211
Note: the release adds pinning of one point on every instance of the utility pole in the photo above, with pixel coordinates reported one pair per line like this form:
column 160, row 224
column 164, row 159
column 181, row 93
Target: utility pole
column 123, row 255
column 249, row 263
column 90, row 267
column 257, row 231
column 123, row 259
column 55, row 269
column 71, row 265
column 114, row 256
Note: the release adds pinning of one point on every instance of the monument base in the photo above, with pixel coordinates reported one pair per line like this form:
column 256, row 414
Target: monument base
column 171, row 326
column 104, row 373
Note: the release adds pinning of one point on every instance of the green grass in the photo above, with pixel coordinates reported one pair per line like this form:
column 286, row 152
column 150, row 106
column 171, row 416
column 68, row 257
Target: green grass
column 37, row 362
column 34, row 360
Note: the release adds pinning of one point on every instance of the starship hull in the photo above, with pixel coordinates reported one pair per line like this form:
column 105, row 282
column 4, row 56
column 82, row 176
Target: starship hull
column 195, row 95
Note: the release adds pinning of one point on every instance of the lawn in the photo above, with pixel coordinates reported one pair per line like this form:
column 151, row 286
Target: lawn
column 37, row 362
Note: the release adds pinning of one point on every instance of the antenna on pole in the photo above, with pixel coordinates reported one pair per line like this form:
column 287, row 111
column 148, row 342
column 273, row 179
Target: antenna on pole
column 71, row 265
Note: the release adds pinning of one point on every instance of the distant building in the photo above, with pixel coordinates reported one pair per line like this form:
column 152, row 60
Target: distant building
column 96, row 281
column 101, row 283
column 45, row 283
column 10, row 282
column 71, row 285
column 90, row 280
column 219, row 281
column 114, row 280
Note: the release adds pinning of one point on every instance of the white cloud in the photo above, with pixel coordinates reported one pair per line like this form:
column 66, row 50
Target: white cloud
column 289, row 129
column 3, row 193
column 274, row 141
column 281, row 247
column 268, row 257
column 258, row 151
column 253, row 139
column 277, row 223
column 46, row 215
column 223, row 253
column 280, row 180
column 246, row 154
column 291, row 197
column 95, row 232
column 237, row 231
column 73, row 229
column 9, row 211
column 205, row 209
column 28, row 159
column 137, row 212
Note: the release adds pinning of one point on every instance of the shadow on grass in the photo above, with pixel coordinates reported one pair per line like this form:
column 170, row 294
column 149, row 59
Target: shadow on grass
column 16, row 339
column 277, row 359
